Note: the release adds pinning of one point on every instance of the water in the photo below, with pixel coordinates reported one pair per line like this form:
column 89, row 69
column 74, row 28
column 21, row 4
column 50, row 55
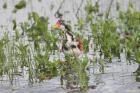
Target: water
column 118, row 76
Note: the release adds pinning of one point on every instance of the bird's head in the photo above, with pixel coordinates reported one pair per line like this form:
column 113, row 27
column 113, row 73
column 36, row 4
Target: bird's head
column 61, row 24
column 58, row 24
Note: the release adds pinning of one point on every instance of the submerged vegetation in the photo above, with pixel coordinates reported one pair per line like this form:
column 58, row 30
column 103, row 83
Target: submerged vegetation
column 32, row 48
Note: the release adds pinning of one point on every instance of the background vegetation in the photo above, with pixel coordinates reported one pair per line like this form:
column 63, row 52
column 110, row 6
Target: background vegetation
column 32, row 47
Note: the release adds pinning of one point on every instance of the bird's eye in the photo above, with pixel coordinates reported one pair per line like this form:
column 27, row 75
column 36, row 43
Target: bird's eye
column 73, row 46
column 65, row 48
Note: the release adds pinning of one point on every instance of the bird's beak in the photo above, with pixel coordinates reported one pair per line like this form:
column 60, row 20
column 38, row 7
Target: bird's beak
column 57, row 26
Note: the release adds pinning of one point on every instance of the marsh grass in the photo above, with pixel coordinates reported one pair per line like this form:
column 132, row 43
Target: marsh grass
column 74, row 73
column 34, row 53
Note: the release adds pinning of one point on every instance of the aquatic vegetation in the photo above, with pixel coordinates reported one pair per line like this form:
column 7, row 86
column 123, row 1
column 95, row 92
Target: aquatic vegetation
column 32, row 46
column 73, row 73
column 131, row 34
column 2, row 57
column 4, row 5
column 21, row 4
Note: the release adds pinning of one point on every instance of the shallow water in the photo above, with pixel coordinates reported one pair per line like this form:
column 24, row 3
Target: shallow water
column 118, row 78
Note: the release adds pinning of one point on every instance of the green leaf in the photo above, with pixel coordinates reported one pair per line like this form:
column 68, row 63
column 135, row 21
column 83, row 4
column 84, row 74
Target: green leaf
column 89, row 7
column 117, row 6
column 21, row 4
column 4, row 5
column 14, row 24
column 130, row 8
column 81, row 23
column 137, row 55
column 34, row 15
column 17, row 34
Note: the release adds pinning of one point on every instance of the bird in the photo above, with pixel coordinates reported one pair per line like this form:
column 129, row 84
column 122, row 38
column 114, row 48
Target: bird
column 71, row 45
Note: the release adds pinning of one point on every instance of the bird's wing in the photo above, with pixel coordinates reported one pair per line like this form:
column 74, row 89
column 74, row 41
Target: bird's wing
column 69, row 37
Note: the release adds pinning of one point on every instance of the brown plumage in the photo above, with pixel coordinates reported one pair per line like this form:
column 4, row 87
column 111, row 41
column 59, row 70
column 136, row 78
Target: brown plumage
column 80, row 44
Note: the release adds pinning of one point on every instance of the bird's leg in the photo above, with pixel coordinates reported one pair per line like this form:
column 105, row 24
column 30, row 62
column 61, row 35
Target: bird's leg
column 61, row 79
